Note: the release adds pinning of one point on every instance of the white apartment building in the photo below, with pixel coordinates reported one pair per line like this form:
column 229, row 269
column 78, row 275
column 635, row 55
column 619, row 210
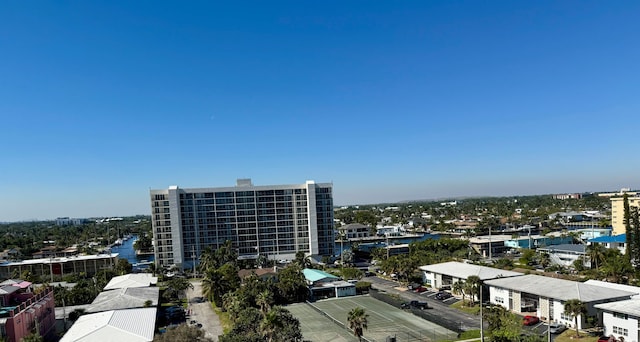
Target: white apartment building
column 274, row 220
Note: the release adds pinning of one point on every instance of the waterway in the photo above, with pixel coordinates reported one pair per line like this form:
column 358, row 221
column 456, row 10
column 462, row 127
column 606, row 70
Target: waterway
column 126, row 251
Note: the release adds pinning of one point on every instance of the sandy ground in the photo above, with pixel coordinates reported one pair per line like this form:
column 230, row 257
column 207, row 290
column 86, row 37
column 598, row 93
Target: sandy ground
column 203, row 313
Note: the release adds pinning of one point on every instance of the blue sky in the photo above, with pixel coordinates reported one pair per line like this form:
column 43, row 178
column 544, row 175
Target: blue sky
column 390, row 101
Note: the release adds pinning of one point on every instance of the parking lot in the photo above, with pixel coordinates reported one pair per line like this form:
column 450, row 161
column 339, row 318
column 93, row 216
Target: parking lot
column 329, row 321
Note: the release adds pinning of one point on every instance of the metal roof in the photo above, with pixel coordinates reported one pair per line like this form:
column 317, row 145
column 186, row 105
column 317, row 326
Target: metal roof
column 131, row 280
column 558, row 288
column 615, row 286
column 463, row 270
column 128, row 298
column 574, row 248
column 630, row 307
column 134, row 325
column 315, row 275
column 622, row 238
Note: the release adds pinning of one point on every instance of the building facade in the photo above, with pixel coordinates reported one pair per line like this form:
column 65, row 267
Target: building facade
column 276, row 221
column 24, row 312
column 617, row 211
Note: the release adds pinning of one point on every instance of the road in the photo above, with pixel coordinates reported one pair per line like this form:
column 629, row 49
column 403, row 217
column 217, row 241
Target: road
column 464, row 320
column 202, row 312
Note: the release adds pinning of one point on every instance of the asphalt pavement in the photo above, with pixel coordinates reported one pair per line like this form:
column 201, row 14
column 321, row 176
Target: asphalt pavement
column 202, row 312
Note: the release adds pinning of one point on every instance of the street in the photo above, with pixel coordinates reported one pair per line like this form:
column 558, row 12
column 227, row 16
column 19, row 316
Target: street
column 202, row 312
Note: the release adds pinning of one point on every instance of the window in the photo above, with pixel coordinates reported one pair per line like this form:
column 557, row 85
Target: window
column 620, row 331
column 620, row 315
column 499, row 300
column 565, row 317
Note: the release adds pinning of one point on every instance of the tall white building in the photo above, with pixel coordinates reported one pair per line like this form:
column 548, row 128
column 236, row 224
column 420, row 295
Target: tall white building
column 274, row 220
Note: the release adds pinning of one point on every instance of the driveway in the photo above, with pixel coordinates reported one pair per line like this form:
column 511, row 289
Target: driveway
column 202, row 312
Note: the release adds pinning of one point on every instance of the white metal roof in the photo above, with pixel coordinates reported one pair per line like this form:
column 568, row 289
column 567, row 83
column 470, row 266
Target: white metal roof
column 59, row 260
column 133, row 325
column 131, row 280
column 127, row 298
column 558, row 288
column 634, row 289
column 463, row 271
column 629, row 307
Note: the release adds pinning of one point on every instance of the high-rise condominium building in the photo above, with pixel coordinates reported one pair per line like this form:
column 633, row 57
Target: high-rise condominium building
column 275, row 221
column 617, row 211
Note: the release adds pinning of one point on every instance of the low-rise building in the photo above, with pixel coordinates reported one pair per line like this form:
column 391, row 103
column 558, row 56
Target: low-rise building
column 131, row 280
column 447, row 273
column 618, row 242
column 56, row 268
column 545, row 297
column 565, row 255
column 24, row 311
column 326, row 285
column 354, row 231
column 132, row 325
column 621, row 319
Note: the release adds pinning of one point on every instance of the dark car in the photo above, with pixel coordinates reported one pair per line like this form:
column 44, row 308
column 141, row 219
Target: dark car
column 443, row 295
column 530, row 320
column 415, row 304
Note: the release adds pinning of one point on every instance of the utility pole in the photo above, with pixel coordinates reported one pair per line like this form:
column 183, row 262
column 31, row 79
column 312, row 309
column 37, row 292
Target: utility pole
column 481, row 316
column 549, row 319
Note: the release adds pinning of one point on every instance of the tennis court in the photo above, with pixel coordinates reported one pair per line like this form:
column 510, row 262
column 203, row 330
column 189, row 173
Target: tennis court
column 328, row 321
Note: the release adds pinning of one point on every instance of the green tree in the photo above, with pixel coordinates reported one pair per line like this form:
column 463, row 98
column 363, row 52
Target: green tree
column 474, row 284
column 357, row 319
column 575, row 308
column 264, row 301
column 458, row 288
column 32, row 337
column 271, row 323
column 123, row 267
column 503, row 326
column 182, row 333
column 176, row 287
column 302, row 260
column 596, row 254
column 292, row 285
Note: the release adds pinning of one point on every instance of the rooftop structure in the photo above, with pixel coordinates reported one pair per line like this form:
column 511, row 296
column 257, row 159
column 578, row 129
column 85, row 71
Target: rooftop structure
column 58, row 267
column 447, row 273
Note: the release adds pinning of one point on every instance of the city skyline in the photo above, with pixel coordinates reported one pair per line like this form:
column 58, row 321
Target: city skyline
column 390, row 102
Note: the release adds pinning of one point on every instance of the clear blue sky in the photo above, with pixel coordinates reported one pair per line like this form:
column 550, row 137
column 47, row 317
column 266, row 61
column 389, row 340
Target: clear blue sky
column 390, row 101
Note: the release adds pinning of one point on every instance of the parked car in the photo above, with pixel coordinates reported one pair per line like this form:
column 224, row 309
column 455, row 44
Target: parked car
column 556, row 328
column 420, row 289
column 605, row 339
column 530, row 320
column 442, row 295
column 413, row 286
column 416, row 304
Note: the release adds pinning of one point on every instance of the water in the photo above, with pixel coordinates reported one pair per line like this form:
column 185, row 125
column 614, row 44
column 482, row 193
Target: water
column 126, row 251
column 367, row 246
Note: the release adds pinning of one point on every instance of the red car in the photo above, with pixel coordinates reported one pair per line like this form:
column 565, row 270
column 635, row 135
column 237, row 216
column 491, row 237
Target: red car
column 605, row 339
column 420, row 289
column 530, row 320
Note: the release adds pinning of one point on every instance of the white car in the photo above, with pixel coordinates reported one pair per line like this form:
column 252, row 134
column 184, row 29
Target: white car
column 556, row 328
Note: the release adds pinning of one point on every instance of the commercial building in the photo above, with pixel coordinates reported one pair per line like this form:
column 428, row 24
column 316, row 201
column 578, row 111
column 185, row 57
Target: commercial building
column 276, row 221
column 326, row 285
column 617, row 211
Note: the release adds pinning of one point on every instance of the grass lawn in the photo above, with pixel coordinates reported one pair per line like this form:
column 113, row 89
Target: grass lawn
column 474, row 310
column 569, row 335
column 225, row 321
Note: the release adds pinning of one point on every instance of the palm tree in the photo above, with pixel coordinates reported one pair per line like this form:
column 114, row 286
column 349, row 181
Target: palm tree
column 264, row 300
column 575, row 308
column 474, row 286
column 209, row 283
column 271, row 323
column 357, row 319
column 595, row 252
column 458, row 288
